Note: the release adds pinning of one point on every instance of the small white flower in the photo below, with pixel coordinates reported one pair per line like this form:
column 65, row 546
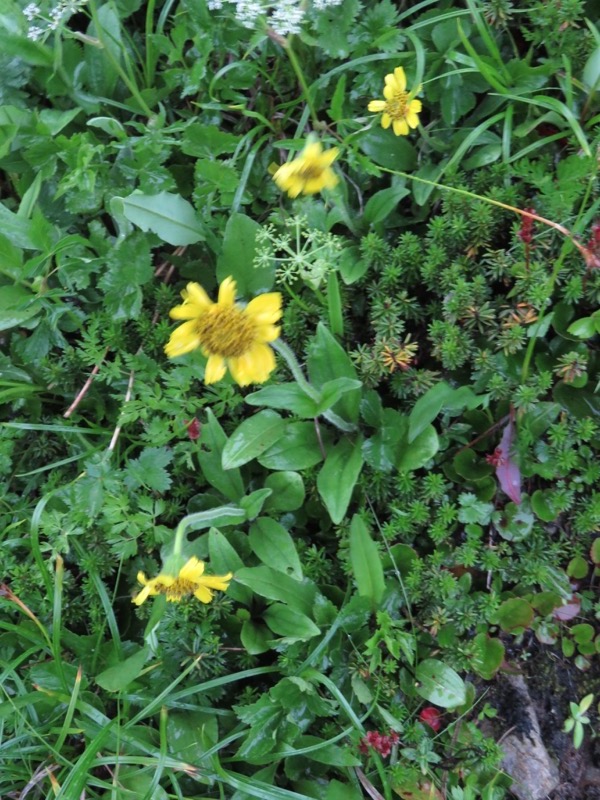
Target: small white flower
column 214, row 5
column 31, row 11
column 34, row 33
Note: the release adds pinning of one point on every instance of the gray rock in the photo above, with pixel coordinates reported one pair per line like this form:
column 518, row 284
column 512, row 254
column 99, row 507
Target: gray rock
column 526, row 759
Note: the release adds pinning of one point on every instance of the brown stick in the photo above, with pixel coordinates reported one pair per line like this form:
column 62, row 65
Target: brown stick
column 85, row 387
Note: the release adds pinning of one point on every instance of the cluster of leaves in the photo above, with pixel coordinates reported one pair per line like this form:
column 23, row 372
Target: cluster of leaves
column 413, row 504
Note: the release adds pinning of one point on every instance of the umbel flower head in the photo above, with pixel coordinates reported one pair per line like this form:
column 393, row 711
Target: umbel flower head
column 399, row 109
column 229, row 334
column 189, row 580
column 308, row 173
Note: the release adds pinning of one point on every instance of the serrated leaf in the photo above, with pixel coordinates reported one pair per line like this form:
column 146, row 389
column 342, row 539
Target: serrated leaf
column 149, row 469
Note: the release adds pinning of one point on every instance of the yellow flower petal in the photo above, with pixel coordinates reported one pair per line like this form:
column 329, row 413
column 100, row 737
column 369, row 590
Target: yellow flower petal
column 227, row 292
column 220, row 582
column 415, row 106
column 386, row 121
column 194, row 293
column 192, row 570
column 267, row 333
column 389, row 90
column 400, row 76
column 400, row 127
column 312, row 151
column 142, row 578
column 183, row 340
column 266, row 308
column 203, row 594
column 377, row 105
column 215, row 369
column 412, row 120
column 142, row 596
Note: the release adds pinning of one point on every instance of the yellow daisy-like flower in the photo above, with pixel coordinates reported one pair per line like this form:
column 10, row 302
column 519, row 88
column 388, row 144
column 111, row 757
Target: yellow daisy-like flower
column 189, row 580
column 230, row 335
column 399, row 108
column 309, row 173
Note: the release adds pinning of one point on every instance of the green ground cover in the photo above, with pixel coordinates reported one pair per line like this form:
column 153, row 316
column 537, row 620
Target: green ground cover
column 298, row 392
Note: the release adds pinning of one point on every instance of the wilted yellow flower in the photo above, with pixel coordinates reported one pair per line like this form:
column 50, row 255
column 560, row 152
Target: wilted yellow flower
column 230, row 335
column 399, row 109
column 189, row 580
column 309, row 173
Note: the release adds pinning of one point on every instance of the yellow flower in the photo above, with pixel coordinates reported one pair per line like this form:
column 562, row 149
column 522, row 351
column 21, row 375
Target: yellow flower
column 399, row 109
column 230, row 335
column 190, row 580
column 309, row 173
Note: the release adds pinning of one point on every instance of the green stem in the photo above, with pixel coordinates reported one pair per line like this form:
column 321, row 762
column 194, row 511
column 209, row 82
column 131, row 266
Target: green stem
column 301, row 80
column 131, row 85
column 150, row 52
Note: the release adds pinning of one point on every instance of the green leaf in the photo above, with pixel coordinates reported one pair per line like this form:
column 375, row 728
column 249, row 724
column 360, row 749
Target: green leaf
column 275, row 547
column 325, row 753
column 591, row 71
column 287, row 396
column 382, row 451
column 513, row 614
column 387, row 150
column 267, row 582
column 102, row 63
column 366, row 562
column 287, row 491
column 297, row 449
column 252, row 438
column 338, row 476
column 228, row 482
column 488, row 655
column 351, row 266
column 333, row 390
column 427, row 407
column 149, row 469
column 256, row 638
column 328, row 360
column 16, row 229
column 254, row 502
column 290, row 623
column 129, row 268
column 191, row 734
column 118, row 677
column 381, row 204
column 420, row 451
column 223, row 559
column 440, row 684
column 237, row 257
column 584, row 328
column 169, row 216
column 17, row 305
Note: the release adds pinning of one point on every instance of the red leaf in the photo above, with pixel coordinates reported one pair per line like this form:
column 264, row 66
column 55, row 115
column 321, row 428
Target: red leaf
column 568, row 611
column 193, row 428
column 507, row 470
column 432, row 717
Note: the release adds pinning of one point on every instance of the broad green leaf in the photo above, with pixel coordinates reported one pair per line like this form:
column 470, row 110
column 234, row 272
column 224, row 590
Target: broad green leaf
column 169, row 216
column 420, row 451
column 102, row 63
column 17, row 305
column 287, row 491
column 427, row 407
column 366, row 562
column 333, row 390
column 440, row 684
column 267, row 582
column 16, row 229
column 254, row 502
column 223, row 559
column 237, row 257
column 118, row 677
column 227, row 481
column 275, row 547
column 383, row 450
column 298, row 448
column 488, row 655
column 338, row 476
column 325, row 753
column 287, row 396
column 255, row 435
column 290, row 623
column 382, row 203
column 328, row 360
column 191, row 734
column 387, row 150
column 514, row 613
column 255, row 637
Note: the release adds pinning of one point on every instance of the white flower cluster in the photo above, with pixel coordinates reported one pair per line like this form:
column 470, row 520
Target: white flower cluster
column 59, row 13
column 283, row 16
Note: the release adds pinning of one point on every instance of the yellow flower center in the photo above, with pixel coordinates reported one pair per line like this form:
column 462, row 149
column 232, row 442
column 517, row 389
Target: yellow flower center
column 177, row 590
column 397, row 107
column 309, row 171
column 225, row 331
